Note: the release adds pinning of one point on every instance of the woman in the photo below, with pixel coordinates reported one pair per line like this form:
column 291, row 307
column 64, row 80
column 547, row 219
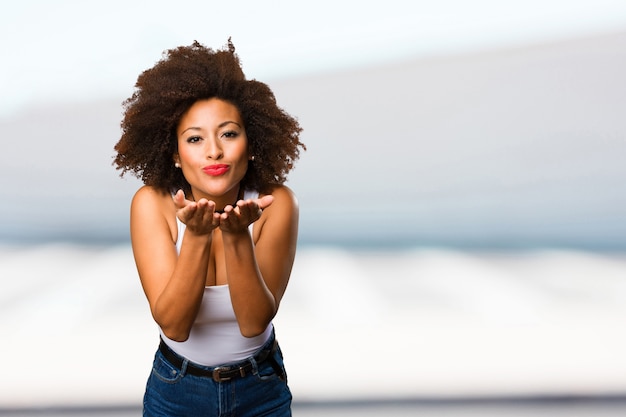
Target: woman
column 213, row 231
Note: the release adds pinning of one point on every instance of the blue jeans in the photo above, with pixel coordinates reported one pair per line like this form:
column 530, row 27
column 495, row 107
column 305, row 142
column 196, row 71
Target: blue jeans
column 171, row 391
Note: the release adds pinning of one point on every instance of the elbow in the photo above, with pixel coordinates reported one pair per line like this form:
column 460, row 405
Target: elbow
column 253, row 323
column 176, row 336
column 172, row 328
column 254, row 328
column 175, row 332
column 251, row 331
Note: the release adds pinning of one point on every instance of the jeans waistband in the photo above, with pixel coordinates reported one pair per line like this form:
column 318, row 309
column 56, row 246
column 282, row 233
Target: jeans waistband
column 220, row 373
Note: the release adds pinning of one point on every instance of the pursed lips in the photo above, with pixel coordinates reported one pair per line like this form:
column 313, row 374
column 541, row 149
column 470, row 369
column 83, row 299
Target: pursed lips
column 215, row 170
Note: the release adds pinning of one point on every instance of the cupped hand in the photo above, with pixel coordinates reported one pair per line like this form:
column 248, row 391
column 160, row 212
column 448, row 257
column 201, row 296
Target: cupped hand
column 199, row 217
column 243, row 214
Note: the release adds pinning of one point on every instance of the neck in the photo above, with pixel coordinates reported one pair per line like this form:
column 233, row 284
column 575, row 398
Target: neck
column 228, row 199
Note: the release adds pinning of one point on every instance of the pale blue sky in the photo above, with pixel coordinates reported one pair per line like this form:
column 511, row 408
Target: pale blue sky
column 77, row 50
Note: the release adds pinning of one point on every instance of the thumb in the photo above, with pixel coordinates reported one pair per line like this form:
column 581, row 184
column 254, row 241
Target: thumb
column 265, row 201
column 179, row 199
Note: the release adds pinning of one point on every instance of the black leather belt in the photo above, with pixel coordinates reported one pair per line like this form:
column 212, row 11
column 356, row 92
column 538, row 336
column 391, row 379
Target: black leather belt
column 219, row 373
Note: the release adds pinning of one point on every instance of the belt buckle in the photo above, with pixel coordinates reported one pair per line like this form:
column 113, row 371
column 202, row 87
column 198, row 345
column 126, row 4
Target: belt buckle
column 216, row 374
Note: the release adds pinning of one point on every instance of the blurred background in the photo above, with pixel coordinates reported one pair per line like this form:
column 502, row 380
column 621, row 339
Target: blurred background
column 463, row 213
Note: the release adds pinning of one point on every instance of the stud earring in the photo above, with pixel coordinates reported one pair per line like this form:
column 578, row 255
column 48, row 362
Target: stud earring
column 177, row 165
column 252, row 158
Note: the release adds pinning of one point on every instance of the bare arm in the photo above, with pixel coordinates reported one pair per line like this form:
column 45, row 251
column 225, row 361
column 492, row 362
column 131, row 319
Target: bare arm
column 258, row 273
column 174, row 284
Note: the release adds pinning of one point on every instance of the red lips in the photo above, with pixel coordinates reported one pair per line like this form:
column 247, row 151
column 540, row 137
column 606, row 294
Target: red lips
column 216, row 170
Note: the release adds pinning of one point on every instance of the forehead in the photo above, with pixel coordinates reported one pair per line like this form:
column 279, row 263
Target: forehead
column 210, row 113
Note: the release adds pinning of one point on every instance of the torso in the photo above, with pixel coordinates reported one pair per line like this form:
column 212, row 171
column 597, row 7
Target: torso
column 215, row 324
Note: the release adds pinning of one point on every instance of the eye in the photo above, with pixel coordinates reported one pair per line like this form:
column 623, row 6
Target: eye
column 194, row 139
column 230, row 134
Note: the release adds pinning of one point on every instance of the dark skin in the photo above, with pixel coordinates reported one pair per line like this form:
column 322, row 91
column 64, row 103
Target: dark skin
column 217, row 248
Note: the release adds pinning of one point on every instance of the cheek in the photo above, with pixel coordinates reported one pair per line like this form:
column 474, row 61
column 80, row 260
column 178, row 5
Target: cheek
column 240, row 151
column 186, row 154
column 242, row 164
column 180, row 151
column 242, row 160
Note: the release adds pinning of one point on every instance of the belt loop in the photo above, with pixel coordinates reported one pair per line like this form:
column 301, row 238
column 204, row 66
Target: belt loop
column 255, row 366
column 183, row 367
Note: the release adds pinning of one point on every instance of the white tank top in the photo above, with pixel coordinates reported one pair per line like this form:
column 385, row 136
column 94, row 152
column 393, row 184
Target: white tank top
column 215, row 338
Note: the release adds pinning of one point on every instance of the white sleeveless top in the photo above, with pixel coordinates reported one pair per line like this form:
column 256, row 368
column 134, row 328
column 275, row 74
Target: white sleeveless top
column 215, row 338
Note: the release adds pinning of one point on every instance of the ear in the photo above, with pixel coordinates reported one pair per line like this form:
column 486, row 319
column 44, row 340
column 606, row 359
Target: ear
column 176, row 158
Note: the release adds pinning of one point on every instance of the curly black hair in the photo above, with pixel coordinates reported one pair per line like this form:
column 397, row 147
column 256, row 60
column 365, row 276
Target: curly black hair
column 166, row 91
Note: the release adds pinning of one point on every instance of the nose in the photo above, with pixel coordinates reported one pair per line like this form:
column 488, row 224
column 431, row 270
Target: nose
column 213, row 149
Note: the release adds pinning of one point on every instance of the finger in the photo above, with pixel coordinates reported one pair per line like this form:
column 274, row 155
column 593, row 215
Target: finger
column 224, row 219
column 242, row 207
column 206, row 211
column 187, row 212
column 265, row 201
column 216, row 220
column 210, row 214
column 250, row 211
column 247, row 209
column 203, row 208
column 179, row 199
column 228, row 209
column 226, row 213
column 211, row 207
column 235, row 210
column 232, row 216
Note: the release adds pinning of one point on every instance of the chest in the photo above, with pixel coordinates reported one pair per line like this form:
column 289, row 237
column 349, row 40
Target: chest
column 217, row 273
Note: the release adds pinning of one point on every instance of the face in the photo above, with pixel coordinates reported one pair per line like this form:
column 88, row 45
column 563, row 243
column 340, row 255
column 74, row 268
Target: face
column 213, row 150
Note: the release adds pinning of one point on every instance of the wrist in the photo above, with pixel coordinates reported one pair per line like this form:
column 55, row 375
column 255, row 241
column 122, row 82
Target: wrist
column 236, row 235
column 196, row 236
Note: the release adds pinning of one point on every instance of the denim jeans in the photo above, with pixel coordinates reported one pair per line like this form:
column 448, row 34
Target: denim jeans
column 171, row 392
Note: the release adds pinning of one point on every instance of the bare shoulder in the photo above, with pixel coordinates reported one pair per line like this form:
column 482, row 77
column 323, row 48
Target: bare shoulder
column 149, row 194
column 151, row 206
column 150, row 199
column 280, row 219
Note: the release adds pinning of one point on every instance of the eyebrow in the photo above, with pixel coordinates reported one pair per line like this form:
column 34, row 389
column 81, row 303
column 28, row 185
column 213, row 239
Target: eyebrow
column 228, row 122
column 219, row 126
